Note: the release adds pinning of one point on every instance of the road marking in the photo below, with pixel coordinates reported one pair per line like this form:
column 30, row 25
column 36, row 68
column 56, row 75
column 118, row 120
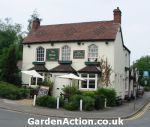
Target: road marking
column 140, row 113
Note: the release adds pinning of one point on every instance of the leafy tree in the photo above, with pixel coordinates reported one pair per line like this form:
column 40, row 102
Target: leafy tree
column 143, row 64
column 10, row 34
column 34, row 16
column 8, row 66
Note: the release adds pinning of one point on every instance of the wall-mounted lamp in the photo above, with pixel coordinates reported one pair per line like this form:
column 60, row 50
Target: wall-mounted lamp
column 79, row 43
column 29, row 45
column 106, row 42
column 52, row 44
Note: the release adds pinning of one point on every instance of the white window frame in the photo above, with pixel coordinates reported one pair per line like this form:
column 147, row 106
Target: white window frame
column 66, row 53
column 92, row 53
column 88, row 79
column 40, row 58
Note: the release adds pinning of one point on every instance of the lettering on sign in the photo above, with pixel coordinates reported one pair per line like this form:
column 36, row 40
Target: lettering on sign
column 43, row 91
column 52, row 54
column 78, row 54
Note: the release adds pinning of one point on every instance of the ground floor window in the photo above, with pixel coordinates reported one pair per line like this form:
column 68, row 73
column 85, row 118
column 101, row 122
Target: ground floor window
column 90, row 81
column 39, row 80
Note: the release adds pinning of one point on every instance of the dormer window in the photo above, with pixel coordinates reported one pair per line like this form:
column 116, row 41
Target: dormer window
column 40, row 51
column 66, row 53
column 92, row 53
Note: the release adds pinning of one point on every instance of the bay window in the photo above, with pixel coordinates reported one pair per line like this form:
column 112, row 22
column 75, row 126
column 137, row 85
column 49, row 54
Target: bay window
column 90, row 81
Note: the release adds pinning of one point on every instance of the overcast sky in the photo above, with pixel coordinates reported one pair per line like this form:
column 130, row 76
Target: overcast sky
column 135, row 16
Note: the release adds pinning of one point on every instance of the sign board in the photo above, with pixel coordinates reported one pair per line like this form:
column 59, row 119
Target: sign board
column 78, row 54
column 52, row 54
column 145, row 74
column 43, row 91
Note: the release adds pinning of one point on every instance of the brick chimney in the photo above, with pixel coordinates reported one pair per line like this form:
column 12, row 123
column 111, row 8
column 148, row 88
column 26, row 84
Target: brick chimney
column 117, row 15
column 35, row 24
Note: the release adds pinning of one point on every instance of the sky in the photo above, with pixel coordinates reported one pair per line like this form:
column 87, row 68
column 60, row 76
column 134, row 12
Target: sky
column 135, row 16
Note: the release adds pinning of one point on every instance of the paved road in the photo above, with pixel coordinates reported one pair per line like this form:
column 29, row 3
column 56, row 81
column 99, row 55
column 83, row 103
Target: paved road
column 15, row 119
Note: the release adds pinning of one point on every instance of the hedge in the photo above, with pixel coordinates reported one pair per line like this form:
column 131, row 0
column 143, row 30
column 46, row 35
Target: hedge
column 46, row 101
column 10, row 91
column 110, row 95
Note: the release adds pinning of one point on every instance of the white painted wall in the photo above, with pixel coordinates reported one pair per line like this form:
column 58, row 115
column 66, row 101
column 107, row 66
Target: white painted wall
column 113, row 51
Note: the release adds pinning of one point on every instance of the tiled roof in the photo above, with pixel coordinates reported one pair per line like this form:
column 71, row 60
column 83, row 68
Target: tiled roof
column 101, row 30
column 90, row 69
column 39, row 68
column 63, row 68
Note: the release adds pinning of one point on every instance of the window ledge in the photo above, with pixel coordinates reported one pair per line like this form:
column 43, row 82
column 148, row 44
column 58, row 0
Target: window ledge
column 91, row 63
column 65, row 62
column 38, row 63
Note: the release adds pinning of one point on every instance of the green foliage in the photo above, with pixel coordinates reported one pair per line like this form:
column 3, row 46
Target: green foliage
column 61, row 102
column 99, row 102
column 70, row 90
column 76, row 98
column 42, row 101
column 72, row 105
column 88, row 103
column 46, row 101
column 147, row 88
column 10, row 34
column 8, row 66
column 88, row 93
column 110, row 95
column 74, row 102
column 10, row 91
column 142, row 64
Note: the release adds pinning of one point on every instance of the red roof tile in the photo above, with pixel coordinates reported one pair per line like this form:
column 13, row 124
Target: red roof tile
column 102, row 30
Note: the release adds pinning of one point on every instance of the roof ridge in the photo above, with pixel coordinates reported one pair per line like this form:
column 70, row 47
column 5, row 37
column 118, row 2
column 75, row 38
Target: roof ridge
column 76, row 23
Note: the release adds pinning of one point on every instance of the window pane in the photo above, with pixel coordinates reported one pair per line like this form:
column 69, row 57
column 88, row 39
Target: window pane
column 84, row 84
column 40, row 54
column 84, row 75
column 91, row 75
column 92, row 53
column 91, row 83
column 66, row 53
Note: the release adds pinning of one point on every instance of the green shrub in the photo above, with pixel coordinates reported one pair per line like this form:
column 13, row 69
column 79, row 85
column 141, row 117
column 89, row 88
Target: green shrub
column 70, row 90
column 89, row 93
column 51, row 102
column 71, row 106
column 88, row 103
column 147, row 88
column 46, row 101
column 75, row 98
column 24, row 92
column 74, row 102
column 10, row 91
column 61, row 102
column 110, row 95
column 42, row 101
column 99, row 102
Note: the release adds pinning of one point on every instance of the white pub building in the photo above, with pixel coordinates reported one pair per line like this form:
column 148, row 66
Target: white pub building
column 54, row 50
